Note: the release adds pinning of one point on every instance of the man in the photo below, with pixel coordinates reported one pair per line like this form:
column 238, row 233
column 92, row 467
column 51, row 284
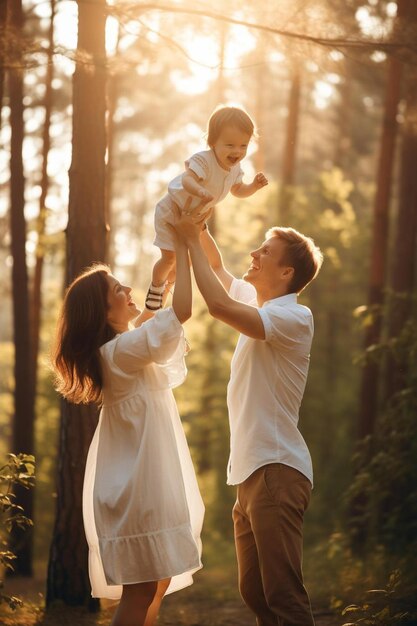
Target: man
column 269, row 459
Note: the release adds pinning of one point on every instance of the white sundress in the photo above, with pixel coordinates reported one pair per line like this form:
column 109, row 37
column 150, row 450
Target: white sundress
column 142, row 507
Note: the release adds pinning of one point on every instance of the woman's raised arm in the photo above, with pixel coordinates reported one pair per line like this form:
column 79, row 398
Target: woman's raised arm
column 182, row 299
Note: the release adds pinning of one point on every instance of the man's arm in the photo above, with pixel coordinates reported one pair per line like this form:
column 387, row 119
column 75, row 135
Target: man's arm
column 242, row 317
column 215, row 259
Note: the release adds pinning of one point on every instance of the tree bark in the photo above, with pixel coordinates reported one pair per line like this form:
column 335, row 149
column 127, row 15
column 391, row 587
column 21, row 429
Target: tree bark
column 36, row 303
column 68, row 570
column 261, row 86
column 404, row 251
column 220, row 96
column 371, row 371
column 290, row 147
column 112, row 99
column 3, row 27
column 344, row 111
column 86, row 242
column 23, row 422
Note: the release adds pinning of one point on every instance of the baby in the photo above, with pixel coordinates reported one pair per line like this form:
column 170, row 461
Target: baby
column 209, row 176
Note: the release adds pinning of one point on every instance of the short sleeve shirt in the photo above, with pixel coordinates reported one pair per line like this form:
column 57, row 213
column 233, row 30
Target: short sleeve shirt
column 212, row 177
column 267, row 383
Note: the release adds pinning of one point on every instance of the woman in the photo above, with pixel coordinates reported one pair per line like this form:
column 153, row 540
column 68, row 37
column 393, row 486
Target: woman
column 142, row 508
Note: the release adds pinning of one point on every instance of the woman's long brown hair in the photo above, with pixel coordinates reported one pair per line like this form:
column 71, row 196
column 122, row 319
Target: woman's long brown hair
column 82, row 330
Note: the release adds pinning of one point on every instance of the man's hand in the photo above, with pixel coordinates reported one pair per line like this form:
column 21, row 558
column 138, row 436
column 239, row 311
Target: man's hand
column 188, row 224
column 260, row 180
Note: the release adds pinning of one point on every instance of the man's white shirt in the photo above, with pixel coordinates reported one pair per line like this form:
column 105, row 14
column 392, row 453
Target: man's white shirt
column 266, row 386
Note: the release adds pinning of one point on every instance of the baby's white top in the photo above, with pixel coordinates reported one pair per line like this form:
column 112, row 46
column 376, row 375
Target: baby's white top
column 212, row 177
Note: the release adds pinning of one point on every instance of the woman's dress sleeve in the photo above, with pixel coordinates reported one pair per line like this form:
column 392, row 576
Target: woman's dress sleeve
column 159, row 341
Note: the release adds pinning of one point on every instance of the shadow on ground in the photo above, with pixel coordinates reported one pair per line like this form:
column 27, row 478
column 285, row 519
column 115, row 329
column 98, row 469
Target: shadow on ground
column 212, row 601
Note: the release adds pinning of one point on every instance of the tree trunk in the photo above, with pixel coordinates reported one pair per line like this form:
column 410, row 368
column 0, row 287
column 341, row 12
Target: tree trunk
column 68, row 570
column 261, row 86
column 23, row 423
column 370, row 375
column 212, row 343
column 86, row 242
column 220, row 96
column 3, row 26
column 220, row 90
column 404, row 251
column 36, row 304
column 344, row 112
column 112, row 103
column 288, row 163
column 112, row 99
column 262, row 80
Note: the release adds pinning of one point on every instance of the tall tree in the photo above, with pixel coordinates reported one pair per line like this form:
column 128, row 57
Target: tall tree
column 261, row 84
column 86, row 243
column 113, row 81
column 36, row 302
column 403, row 272
column 220, row 94
column 290, row 145
column 209, row 397
column 23, row 440
column 3, row 26
column 370, row 375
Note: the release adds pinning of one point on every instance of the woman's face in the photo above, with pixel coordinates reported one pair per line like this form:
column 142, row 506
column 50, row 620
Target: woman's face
column 122, row 309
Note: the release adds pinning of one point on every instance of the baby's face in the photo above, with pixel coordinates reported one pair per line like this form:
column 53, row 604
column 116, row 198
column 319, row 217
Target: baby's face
column 231, row 146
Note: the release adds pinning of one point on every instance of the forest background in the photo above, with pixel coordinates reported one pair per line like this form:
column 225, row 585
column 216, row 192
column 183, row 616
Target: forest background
column 117, row 95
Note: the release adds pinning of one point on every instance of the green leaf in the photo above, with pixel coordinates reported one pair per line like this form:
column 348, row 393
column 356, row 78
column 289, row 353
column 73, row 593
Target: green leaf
column 352, row 608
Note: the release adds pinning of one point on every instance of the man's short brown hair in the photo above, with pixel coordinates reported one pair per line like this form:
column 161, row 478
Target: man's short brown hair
column 228, row 116
column 301, row 253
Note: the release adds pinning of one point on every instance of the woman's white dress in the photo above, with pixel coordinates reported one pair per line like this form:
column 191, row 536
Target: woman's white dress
column 142, row 508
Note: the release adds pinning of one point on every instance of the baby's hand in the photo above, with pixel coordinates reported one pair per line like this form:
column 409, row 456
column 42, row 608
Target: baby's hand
column 205, row 195
column 260, row 180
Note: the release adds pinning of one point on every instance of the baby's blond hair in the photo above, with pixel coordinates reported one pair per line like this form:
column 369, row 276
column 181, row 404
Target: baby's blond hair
column 228, row 116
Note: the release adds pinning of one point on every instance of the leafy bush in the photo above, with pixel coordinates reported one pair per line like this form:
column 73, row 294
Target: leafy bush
column 382, row 499
column 19, row 470
column 383, row 494
column 394, row 605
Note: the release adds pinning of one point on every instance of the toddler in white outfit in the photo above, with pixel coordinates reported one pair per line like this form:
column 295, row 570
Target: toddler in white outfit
column 209, row 176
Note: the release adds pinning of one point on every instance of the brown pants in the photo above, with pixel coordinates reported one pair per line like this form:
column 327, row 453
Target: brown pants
column 268, row 520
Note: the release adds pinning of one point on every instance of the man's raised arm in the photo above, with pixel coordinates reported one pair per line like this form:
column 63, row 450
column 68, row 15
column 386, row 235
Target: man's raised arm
column 215, row 259
column 242, row 317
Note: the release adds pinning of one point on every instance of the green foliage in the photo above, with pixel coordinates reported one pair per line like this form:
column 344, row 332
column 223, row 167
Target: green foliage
column 381, row 502
column 203, row 409
column 18, row 470
column 325, row 212
column 383, row 494
column 335, row 573
column 394, row 605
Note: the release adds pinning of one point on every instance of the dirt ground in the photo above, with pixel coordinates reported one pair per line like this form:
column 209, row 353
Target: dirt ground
column 210, row 602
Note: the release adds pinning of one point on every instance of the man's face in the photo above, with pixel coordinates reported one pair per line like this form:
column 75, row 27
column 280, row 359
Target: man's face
column 268, row 265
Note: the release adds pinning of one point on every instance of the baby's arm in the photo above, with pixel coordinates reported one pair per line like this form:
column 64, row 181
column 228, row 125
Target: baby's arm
column 190, row 182
column 241, row 190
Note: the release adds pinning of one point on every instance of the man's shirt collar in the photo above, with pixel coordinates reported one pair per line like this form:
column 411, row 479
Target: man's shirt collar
column 289, row 298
